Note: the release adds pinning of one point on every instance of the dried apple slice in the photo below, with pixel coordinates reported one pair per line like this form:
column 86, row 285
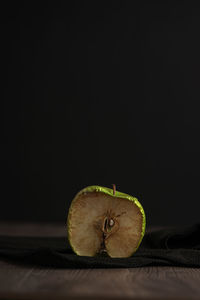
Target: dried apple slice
column 102, row 220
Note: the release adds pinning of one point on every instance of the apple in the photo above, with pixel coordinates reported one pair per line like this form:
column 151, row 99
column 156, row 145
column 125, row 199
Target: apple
column 105, row 221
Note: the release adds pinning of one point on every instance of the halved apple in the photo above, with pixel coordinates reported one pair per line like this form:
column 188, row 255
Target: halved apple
column 103, row 220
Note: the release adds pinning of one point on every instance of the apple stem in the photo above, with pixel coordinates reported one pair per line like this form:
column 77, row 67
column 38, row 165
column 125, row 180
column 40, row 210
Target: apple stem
column 114, row 189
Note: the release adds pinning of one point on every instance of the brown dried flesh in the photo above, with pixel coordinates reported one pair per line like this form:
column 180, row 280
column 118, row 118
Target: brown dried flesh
column 101, row 223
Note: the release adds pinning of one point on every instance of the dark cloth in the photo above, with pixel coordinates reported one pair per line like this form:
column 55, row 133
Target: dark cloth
column 160, row 247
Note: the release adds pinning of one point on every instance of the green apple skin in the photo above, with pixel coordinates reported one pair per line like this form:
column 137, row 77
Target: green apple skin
column 108, row 191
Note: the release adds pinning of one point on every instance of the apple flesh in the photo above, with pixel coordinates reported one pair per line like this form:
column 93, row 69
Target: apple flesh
column 102, row 220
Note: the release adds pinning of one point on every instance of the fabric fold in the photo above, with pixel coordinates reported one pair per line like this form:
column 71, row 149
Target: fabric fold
column 175, row 246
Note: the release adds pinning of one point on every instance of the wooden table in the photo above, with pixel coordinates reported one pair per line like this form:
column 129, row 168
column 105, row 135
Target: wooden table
column 22, row 282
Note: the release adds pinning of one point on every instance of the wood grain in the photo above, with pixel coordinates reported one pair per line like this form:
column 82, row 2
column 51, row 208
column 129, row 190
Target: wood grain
column 19, row 282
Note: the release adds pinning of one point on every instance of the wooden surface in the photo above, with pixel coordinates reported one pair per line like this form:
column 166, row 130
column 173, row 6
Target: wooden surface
column 20, row 282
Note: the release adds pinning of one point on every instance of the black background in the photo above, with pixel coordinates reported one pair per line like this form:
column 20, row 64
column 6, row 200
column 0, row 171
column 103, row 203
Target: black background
column 99, row 93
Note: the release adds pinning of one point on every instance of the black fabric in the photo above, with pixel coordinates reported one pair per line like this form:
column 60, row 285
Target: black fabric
column 164, row 247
